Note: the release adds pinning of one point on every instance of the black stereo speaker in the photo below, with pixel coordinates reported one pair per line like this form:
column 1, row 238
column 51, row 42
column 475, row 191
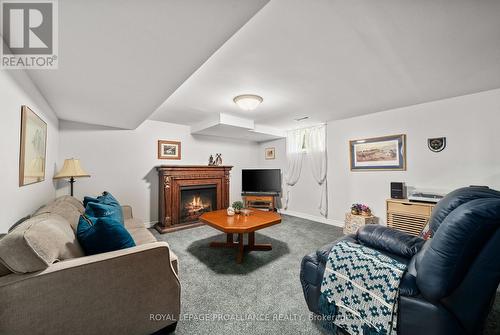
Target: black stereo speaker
column 398, row 190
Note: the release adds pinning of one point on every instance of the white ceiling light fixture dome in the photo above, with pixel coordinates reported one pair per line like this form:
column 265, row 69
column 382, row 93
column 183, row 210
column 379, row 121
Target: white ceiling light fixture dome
column 248, row 102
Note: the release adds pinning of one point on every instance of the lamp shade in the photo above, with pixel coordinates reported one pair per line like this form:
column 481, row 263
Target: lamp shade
column 71, row 168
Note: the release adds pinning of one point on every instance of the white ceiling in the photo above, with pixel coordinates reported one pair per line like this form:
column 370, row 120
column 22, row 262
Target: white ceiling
column 183, row 61
column 121, row 59
column 333, row 59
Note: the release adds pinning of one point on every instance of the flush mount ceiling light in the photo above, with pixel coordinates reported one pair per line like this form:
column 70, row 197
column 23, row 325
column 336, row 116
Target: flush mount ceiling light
column 248, row 102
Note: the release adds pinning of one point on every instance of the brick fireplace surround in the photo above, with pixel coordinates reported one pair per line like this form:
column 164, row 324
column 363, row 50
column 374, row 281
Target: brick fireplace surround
column 173, row 177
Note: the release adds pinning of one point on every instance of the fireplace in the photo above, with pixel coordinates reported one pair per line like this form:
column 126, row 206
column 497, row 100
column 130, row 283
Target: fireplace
column 186, row 192
column 196, row 200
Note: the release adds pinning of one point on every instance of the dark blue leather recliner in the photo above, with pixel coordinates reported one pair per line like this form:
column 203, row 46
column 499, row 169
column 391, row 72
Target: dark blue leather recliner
column 451, row 280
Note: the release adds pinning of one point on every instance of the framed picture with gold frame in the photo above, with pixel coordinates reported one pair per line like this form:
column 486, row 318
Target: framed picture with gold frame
column 169, row 149
column 33, row 149
column 378, row 153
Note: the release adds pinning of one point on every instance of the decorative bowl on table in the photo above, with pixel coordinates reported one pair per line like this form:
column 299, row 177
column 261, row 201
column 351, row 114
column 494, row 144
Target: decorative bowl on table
column 245, row 212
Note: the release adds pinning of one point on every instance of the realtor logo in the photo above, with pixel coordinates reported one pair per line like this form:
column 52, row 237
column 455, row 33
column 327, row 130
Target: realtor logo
column 29, row 31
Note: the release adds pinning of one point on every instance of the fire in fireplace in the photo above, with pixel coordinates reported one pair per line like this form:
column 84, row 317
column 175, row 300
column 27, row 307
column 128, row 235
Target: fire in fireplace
column 196, row 200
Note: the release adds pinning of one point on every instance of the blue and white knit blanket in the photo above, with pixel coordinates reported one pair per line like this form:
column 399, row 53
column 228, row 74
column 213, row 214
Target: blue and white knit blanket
column 360, row 290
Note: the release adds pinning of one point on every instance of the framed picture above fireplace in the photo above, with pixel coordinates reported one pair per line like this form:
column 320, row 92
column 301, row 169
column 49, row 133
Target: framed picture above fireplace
column 169, row 149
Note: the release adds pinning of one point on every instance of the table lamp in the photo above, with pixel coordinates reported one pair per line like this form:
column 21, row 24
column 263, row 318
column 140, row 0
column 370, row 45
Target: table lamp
column 71, row 169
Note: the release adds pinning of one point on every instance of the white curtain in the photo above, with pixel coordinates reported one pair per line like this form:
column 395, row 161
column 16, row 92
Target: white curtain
column 316, row 152
column 310, row 143
column 295, row 156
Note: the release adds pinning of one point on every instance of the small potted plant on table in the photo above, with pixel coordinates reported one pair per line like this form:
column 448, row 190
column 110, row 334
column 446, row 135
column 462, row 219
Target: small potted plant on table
column 237, row 206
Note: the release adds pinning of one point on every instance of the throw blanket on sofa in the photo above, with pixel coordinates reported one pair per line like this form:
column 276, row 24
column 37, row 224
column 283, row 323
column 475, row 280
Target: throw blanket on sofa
column 360, row 290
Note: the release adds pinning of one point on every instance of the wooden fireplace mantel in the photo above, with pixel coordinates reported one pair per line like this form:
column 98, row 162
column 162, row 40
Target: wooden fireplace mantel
column 173, row 177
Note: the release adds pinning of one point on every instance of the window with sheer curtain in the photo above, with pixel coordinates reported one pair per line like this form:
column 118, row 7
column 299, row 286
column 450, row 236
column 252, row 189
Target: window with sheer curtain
column 307, row 143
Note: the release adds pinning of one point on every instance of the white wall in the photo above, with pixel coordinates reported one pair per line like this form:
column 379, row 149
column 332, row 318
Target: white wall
column 471, row 124
column 16, row 89
column 123, row 161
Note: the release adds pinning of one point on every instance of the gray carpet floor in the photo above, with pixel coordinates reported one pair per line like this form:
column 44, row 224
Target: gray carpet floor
column 262, row 295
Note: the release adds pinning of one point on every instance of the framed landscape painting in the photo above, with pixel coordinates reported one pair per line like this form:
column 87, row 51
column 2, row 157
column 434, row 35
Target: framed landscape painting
column 379, row 153
column 169, row 149
column 33, row 148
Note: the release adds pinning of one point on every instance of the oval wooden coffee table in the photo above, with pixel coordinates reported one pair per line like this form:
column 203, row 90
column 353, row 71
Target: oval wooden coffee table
column 240, row 224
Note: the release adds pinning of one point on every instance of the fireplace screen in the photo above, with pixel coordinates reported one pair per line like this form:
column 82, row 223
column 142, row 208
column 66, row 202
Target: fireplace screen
column 196, row 200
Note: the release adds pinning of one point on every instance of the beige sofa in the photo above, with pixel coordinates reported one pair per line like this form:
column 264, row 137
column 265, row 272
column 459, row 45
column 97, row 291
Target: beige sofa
column 48, row 286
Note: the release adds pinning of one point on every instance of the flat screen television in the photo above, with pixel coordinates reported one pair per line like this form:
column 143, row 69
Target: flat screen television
column 261, row 181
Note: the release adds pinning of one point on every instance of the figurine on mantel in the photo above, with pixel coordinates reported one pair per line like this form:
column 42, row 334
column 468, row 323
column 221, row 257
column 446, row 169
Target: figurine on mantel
column 215, row 162
column 218, row 159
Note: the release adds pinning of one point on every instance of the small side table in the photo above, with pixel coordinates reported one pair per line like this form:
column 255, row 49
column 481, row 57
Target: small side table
column 354, row 222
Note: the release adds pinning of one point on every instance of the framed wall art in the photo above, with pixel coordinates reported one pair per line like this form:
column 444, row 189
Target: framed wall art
column 270, row 153
column 379, row 153
column 169, row 149
column 32, row 158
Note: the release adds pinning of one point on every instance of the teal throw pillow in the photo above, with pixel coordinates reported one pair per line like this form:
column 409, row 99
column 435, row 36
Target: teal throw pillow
column 102, row 234
column 107, row 202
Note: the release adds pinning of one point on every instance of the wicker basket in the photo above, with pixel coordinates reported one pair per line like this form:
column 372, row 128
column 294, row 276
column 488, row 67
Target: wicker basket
column 354, row 222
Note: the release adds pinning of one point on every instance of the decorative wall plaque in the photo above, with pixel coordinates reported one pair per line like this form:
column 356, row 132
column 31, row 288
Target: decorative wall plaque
column 436, row 144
